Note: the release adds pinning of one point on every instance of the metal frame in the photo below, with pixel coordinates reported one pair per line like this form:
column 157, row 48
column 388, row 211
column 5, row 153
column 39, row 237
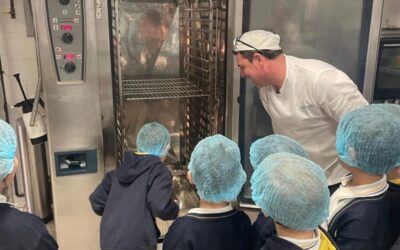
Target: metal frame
column 118, row 98
column 373, row 50
column 235, row 20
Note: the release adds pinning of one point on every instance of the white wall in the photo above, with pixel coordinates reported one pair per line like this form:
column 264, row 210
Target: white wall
column 18, row 55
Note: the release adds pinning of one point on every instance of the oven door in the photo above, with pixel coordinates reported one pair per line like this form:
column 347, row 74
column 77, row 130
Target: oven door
column 387, row 82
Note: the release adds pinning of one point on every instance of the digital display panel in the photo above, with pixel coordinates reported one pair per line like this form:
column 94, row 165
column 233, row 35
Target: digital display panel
column 69, row 56
column 66, row 26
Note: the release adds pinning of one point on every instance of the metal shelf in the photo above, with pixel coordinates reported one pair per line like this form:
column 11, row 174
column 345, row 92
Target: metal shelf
column 160, row 89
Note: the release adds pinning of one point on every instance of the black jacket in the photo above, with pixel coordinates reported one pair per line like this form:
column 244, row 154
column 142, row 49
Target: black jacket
column 262, row 229
column 363, row 224
column 23, row 231
column 393, row 195
column 275, row 243
column 214, row 231
column 129, row 199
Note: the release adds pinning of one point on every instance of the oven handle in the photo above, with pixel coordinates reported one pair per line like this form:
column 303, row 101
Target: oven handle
column 391, row 45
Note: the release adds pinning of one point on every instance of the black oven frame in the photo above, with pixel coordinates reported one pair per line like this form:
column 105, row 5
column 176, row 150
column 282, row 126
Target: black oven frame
column 389, row 39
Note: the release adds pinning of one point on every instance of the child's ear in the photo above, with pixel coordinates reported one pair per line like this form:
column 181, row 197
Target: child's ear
column 189, row 177
column 10, row 177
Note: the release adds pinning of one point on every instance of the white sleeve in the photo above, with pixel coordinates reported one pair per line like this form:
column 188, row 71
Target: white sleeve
column 336, row 93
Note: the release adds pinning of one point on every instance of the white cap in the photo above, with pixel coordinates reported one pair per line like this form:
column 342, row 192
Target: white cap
column 259, row 39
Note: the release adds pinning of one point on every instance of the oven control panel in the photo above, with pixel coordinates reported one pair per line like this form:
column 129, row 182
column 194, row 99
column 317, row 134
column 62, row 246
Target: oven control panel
column 66, row 29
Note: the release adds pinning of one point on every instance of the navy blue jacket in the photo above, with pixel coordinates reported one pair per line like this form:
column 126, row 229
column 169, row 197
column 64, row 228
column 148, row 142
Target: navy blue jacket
column 363, row 224
column 129, row 199
column 229, row 230
column 393, row 194
column 23, row 231
column 262, row 228
column 275, row 243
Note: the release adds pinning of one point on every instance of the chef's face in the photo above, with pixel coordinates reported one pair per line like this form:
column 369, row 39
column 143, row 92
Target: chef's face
column 254, row 69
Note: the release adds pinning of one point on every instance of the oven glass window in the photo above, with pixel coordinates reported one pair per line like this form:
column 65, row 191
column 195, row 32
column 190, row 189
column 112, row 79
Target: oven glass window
column 387, row 85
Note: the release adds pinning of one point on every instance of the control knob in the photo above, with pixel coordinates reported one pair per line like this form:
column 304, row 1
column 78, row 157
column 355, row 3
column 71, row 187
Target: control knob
column 67, row 38
column 69, row 67
column 64, row 2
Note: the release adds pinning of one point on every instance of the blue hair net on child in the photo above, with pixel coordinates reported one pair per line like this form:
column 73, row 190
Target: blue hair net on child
column 368, row 138
column 272, row 144
column 292, row 190
column 153, row 138
column 8, row 146
column 216, row 169
column 395, row 110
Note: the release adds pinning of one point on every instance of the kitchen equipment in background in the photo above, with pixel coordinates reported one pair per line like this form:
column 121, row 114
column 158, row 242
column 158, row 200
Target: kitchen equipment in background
column 387, row 81
column 37, row 131
column 35, row 176
column 184, row 191
column 3, row 97
column 76, row 162
column 168, row 57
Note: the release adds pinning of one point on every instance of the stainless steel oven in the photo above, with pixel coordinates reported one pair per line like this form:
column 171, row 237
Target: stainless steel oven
column 107, row 68
column 387, row 82
column 169, row 66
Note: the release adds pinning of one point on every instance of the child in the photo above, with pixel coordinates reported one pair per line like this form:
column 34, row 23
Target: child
column 393, row 177
column 293, row 191
column 18, row 230
column 216, row 171
column 393, row 195
column 367, row 142
column 264, row 227
column 130, row 197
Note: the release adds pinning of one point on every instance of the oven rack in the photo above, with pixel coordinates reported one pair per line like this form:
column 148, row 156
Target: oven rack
column 145, row 89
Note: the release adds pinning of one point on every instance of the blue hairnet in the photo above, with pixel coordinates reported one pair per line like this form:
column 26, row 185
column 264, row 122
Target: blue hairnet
column 153, row 138
column 292, row 190
column 8, row 147
column 216, row 169
column 368, row 138
column 272, row 144
column 395, row 110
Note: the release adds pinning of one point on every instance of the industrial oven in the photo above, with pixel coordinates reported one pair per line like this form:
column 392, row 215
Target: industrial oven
column 169, row 66
column 109, row 67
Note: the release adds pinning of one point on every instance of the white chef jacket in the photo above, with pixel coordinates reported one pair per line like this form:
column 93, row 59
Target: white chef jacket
column 308, row 107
